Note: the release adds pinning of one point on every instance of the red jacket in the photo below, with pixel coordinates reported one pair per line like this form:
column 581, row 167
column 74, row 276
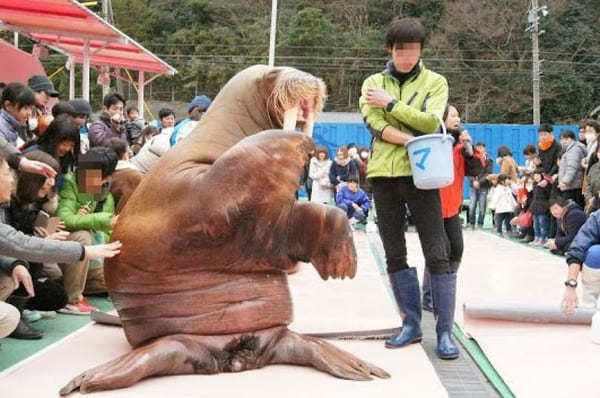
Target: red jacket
column 452, row 195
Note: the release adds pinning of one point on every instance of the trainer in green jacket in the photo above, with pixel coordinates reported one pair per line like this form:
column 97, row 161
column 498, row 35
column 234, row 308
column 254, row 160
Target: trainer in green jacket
column 403, row 101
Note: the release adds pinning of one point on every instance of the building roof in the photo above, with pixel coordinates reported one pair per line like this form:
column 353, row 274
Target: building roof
column 65, row 25
column 17, row 65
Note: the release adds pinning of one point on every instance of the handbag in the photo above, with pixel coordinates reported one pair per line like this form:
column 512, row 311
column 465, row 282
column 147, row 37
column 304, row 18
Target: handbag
column 525, row 219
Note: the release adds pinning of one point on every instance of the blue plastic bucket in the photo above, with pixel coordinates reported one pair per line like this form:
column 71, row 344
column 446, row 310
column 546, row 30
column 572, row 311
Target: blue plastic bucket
column 431, row 160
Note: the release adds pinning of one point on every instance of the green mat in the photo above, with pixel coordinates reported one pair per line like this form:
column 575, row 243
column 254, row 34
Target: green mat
column 13, row 351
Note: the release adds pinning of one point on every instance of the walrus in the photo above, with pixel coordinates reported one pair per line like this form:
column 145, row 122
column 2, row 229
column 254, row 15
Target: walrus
column 201, row 284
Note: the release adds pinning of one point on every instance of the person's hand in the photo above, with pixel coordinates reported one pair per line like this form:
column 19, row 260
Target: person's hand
column 554, row 178
column 537, row 161
column 464, row 136
column 476, row 184
column 543, row 183
column 21, row 275
column 378, row 97
column 103, row 251
column 562, row 186
column 569, row 302
column 356, row 207
column 35, row 167
column 40, row 231
column 59, row 235
column 83, row 210
column 113, row 221
column 584, row 163
column 551, row 244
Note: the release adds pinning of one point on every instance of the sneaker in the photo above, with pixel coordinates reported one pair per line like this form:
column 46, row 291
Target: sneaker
column 31, row 316
column 83, row 307
column 48, row 314
column 527, row 239
column 87, row 304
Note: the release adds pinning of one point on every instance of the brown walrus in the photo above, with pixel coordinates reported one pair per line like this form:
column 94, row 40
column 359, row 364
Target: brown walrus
column 200, row 284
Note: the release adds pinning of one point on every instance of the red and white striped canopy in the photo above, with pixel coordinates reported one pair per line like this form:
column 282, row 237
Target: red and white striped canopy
column 65, row 25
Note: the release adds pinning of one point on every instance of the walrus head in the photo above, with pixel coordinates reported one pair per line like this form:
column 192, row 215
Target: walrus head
column 296, row 98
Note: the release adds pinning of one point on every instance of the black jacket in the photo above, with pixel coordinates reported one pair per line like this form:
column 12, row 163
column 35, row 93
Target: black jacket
column 541, row 196
column 569, row 225
column 482, row 177
column 549, row 158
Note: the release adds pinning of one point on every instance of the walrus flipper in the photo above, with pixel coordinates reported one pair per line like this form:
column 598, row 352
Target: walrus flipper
column 171, row 355
column 297, row 349
column 321, row 235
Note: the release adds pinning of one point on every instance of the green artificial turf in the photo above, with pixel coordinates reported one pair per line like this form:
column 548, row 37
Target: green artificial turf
column 13, row 351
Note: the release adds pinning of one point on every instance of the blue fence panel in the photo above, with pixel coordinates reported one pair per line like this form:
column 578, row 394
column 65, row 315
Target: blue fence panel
column 514, row 136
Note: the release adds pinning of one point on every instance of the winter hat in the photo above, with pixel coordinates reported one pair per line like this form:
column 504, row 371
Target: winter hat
column 41, row 83
column 202, row 101
column 82, row 107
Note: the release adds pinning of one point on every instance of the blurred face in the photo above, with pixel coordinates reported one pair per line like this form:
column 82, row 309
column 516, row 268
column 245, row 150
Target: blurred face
column 556, row 210
column 168, row 121
column 321, row 156
column 452, row 119
column 46, row 188
column 6, row 182
column 133, row 115
column 81, row 120
column 537, row 177
column 353, row 186
column 114, row 110
column 364, row 154
column 545, row 135
column 565, row 141
column 530, row 156
column 196, row 113
column 590, row 134
column 480, row 148
column 341, row 155
column 405, row 56
column 20, row 114
column 64, row 147
column 42, row 98
column 90, row 180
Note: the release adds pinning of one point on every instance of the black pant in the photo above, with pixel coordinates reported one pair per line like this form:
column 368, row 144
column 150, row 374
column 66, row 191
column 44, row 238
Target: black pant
column 503, row 218
column 453, row 229
column 391, row 194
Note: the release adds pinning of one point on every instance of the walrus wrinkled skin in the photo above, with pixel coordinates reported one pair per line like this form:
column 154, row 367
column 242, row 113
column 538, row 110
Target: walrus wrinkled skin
column 201, row 284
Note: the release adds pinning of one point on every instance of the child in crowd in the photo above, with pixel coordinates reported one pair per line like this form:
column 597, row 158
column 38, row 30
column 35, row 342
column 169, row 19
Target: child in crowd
column 532, row 161
column 318, row 171
column 17, row 106
column 504, row 203
column 133, row 125
column 539, row 208
column 87, row 209
column 83, row 110
column 354, row 201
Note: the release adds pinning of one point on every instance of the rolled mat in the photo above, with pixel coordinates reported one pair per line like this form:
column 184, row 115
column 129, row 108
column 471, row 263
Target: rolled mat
column 527, row 312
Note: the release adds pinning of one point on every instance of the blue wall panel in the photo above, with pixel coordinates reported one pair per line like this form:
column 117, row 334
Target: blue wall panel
column 515, row 136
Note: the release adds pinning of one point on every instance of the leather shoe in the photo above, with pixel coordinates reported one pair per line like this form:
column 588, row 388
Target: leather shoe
column 25, row 332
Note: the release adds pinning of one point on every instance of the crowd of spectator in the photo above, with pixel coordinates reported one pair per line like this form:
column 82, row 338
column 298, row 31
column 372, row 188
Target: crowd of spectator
column 70, row 178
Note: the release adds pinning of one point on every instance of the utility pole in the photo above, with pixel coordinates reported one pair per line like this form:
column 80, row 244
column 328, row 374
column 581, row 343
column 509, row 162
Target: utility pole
column 273, row 33
column 533, row 20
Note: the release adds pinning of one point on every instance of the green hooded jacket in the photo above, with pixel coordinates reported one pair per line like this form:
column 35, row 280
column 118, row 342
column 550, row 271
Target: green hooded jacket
column 71, row 200
column 421, row 103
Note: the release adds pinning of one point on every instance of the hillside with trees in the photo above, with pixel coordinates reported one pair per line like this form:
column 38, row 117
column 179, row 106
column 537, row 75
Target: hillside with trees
column 481, row 46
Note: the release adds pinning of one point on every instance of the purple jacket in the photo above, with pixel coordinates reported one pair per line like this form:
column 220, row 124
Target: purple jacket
column 103, row 130
column 347, row 197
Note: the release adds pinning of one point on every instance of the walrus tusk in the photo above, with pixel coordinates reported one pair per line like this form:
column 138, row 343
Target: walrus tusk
column 290, row 117
column 309, row 124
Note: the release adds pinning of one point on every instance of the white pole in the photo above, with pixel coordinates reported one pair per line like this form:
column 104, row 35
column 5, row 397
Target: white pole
column 85, row 85
column 273, row 33
column 72, row 65
column 536, row 63
column 16, row 39
column 141, row 93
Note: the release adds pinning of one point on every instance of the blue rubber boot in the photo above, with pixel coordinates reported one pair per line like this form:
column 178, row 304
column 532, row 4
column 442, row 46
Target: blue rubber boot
column 443, row 287
column 427, row 297
column 405, row 285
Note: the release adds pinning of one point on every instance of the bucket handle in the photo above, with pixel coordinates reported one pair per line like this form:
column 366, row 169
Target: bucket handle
column 444, row 131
